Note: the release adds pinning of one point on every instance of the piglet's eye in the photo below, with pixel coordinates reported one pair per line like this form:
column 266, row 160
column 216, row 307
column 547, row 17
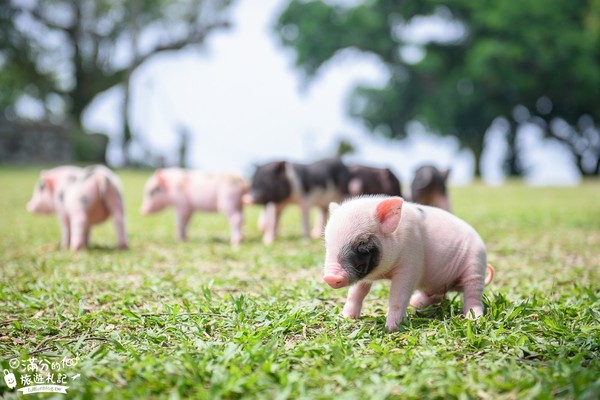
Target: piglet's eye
column 155, row 191
column 363, row 247
column 364, row 268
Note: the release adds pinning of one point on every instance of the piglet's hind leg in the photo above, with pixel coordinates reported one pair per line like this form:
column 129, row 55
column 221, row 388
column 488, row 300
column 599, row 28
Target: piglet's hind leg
column 472, row 293
column 65, row 227
column 119, row 220
column 114, row 203
column 236, row 222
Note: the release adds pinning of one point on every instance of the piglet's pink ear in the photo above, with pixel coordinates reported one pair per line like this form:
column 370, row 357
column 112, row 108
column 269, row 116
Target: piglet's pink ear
column 49, row 180
column 160, row 177
column 388, row 214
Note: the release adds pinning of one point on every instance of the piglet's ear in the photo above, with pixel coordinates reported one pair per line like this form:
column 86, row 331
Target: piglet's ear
column 388, row 214
column 446, row 174
column 160, row 177
column 49, row 180
column 280, row 167
column 333, row 206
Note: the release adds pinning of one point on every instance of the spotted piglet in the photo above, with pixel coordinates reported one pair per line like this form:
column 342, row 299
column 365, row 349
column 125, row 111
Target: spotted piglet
column 415, row 246
column 81, row 197
column 278, row 184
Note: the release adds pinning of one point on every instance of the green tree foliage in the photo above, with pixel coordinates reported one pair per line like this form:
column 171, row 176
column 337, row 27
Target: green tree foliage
column 344, row 147
column 63, row 53
column 494, row 57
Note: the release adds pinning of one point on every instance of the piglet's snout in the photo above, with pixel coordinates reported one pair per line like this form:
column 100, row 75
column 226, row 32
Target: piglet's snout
column 335, row 276
column 146, row 207
column 248, row 199
column 336, row 281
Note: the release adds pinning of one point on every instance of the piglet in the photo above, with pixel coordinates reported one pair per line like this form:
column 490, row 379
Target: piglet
column 370, row 180
column 279, row 183
column 429, row 187
column 188, row 191
column 415, row 246
column 81, row 197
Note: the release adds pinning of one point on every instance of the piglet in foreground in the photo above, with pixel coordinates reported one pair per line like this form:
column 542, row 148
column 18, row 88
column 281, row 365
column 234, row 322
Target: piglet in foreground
column 188, row 191
column 415, row 246
column 81, row 198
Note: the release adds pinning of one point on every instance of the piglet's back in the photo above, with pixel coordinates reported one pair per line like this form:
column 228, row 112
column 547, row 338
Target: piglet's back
column 212, row 192
column 451, row 246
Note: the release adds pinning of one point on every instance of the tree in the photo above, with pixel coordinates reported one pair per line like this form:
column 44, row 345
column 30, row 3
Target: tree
column 495, row 56
column 64, row 52
column 344, row 146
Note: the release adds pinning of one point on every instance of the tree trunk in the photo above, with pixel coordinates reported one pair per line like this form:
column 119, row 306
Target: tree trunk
column 477, row 171
column 126, row 128
column 127, row 136
column 184, row 139
column 476, row 146
column 512, row 164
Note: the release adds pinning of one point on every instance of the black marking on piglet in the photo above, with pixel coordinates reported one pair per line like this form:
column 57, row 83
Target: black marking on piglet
column 271, row 183
column 89, row 172
column 61, row 196
column 360, row 256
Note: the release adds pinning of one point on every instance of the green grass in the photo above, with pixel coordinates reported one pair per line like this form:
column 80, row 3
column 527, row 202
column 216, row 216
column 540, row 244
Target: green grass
column 202, row 320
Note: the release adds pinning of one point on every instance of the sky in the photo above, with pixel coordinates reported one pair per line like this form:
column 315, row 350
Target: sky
column 244, row 104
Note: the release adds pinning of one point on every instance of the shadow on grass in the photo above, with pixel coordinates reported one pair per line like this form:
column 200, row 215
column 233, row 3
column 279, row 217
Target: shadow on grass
column 103, row 249
column 419, row 319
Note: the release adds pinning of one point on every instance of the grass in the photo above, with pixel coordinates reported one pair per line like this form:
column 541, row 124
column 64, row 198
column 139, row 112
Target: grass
column 202, row 320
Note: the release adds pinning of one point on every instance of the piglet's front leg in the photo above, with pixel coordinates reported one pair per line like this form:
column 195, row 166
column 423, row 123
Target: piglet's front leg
column 305, row 211
column 183, row 216
column 79, row 231
column 317, row 230
column 400, row 292
column 356, row 295
column 271, row 222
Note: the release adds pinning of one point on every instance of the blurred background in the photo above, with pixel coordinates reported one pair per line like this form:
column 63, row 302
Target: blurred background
column 489, row 89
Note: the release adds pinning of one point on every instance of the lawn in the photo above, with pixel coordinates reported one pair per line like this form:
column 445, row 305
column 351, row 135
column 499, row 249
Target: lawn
column 202, row 320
